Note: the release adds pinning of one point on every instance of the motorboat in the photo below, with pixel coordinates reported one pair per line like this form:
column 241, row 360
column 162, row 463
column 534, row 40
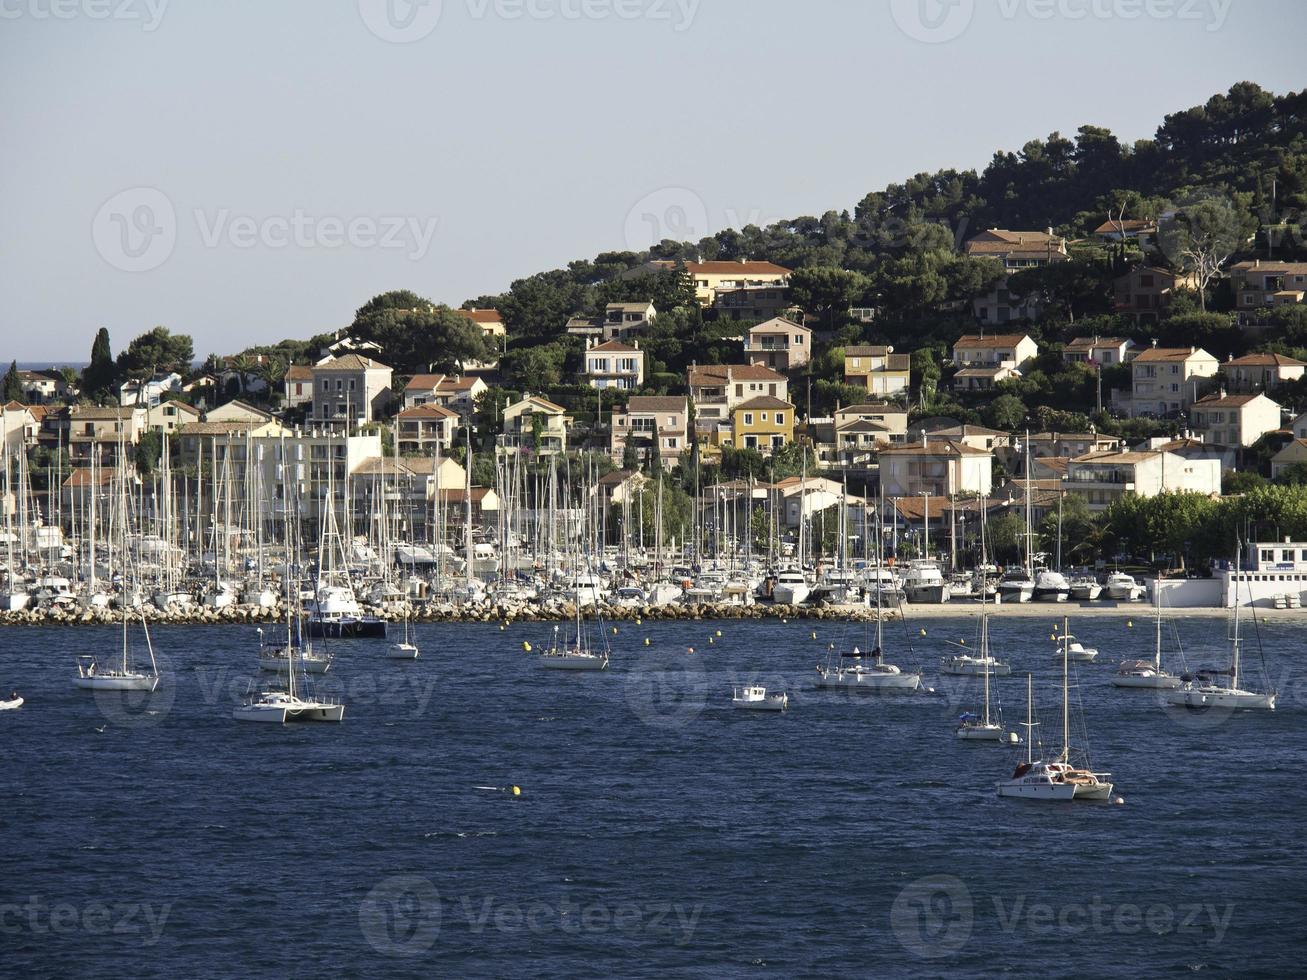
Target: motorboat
column 966, row 665
column 1071, row 648
column 1085, row 589
column 791, row 588
column 1016, row 585
column 924, row 582
column 11, row 702
column 1122, row 587
column 1148, row 673
column 1051, row 586
column 334, row 612
column 757, row 699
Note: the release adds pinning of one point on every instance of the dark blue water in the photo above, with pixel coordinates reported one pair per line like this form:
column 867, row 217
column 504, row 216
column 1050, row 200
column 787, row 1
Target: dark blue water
column 659, row 832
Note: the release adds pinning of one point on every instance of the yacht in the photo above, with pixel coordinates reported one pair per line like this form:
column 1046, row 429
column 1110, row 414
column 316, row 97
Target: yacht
column 334, row 612
column 1071, row 648
column 1053, row 779
column 858, row 671
column 1085, row 589
column 120, row 676
column 757, row 699
column 578, row 654
column 966, row 665
column 1122, row 587
column 1051, row 586
column 1148, row 673
column 1209, row 689
column 1016, row 585
column 280, row 707
column 924, row 582
column 791, row 588
column 405, row 649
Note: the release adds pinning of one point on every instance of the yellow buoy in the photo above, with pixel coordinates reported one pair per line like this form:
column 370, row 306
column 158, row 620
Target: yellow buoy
column 962, row 642
column 637, row 622
column 1130, row 624
column 646, row 641
column 526, row 646
column 719, row 632
column 614, row 631
column 923, row 632
column 813, row 635
column 517, row 790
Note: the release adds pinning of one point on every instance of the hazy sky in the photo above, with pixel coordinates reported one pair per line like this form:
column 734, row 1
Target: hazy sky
column 248, row 170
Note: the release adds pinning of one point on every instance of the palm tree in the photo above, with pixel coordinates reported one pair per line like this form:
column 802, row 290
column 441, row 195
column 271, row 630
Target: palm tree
column 271, row 370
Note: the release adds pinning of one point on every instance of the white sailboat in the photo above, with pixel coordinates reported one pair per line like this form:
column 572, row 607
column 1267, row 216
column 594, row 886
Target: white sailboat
column 276, row 658
column 1148, row 673
column 1053, row 779
column 279, row 707
column 406, row 649
column 986, row 726
column 1071, row 648
column 1207, row 690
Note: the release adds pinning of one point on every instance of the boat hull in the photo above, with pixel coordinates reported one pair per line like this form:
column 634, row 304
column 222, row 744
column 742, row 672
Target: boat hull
column 11, row 705
column 119, row 682
column 284, row 714
column 280, row 665
column 346, row 627
column 1198, row 699
column 577, row 664
column 981, row 733
column 870, row 683
column 1056, row 792
column 1156, row 682
column 996, row 669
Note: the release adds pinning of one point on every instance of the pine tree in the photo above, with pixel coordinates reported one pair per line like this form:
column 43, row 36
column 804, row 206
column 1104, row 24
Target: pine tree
column 13, row 391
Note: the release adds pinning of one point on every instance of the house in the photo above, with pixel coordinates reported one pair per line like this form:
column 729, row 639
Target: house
column 1016, row 251
column 1142, row 231
column 85, row 482
column 1186, row 447
column 741, row 290
column 19, row 427
column 98, row 433
column 1097, row 351
column 619, row 486
column 1145, row 291
column 1103, row 478
column 614, row 364
column 456, row 393
column 983, row 379
column 893, row 419
column 491, row 324
column 1070, row 444
column 350, row 391
column 425, row 429
column 878, row 369
column 1299, row 426
column 859, row 431
column 763, row 423
column 1294, row 454
column 975, row 436
column 148, row 392
column 624, row 321
column 1235, row 420
column 484, row 503
column 619, row 321
column 167, row 417
column 1264, row 284
column 798, row 498
column 535, row 425
column 718, row 388
column 651, row 420
column 297, row 386
column 1015, row 350
column 1167, row 380
column 236, row 411
column 940, row 467
column 43, row 387
column 224, row 448
column 1261, row 372
column 778, row 343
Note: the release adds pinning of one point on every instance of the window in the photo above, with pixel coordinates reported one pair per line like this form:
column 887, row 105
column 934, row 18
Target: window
column 351, row 384
column 764, row 416
column 325, row 384
column 339, row 384
column 748, row 418
column 780, row 418
column 671, row 420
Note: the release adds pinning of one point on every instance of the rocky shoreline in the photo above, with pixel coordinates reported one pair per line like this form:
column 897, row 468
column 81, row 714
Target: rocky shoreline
column 491, row 612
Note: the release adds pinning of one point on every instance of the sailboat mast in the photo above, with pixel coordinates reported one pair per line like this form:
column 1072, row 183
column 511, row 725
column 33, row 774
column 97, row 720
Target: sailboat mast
column 1066, row 698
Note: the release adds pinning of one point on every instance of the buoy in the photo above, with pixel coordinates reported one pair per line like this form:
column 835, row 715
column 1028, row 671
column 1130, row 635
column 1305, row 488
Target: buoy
column 526, row 646
column 1130, row 624
column 646, row 641
column 614, row 631
column 689, row 649
column 962, row 642
column 923, row 632
column 785, row 622
column 711, row 640
column 501, row 627
column 637, row 622
column 719, row 632
column 814, row 634
column 517, row 790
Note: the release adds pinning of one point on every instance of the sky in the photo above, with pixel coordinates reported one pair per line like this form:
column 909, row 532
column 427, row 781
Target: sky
column 250, row 170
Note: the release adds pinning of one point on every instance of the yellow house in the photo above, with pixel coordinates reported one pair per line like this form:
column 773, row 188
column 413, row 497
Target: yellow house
column 878, row 369
column 763, row 423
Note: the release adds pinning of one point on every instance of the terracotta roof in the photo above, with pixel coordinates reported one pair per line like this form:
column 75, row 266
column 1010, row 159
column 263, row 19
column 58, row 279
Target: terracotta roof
column 351, row 362
column 459, row 495
column 1266, row 360
column 617, row 477
column 299, row 372
column 1091, row 343
column 763, row 401
column 727, row 268
column 1271, row 268
column 96, row 413
column 872, row 408
column 615, row 347
column 1169, row 354
column 715, row 374
column 962, row 431
column 778, row 324
column 234, row 428
column 428, row 412
column 1225, row 401
column 482, row 316
column 82, row 478
column 656, row 403
column 987, row 372
column 1112, row 456
column 997, row 340
column 1128, row 225
column 544, row 403
column 861, row 425
column 937, row 447
column 458, row 384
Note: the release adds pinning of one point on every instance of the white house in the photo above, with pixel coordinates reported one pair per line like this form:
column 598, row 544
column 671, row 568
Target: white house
column 1235, row 420
column 1102, row 478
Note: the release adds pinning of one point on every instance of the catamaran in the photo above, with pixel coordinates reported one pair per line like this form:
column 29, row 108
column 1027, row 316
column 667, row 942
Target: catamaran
column 1057, row 778
column 279, row 707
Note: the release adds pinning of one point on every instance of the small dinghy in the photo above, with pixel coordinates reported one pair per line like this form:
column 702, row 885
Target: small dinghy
column 13, row 701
